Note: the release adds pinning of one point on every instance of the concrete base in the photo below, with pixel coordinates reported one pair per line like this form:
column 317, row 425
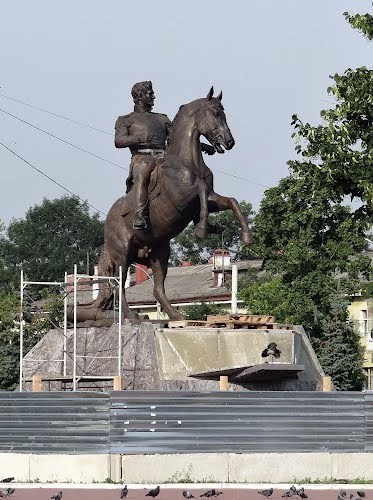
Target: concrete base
column 189, row 468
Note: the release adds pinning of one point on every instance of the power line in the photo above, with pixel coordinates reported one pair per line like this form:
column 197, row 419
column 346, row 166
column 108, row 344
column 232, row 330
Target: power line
column 48, row 177
column 63, row 140
column 56, row 114
column 102, row 131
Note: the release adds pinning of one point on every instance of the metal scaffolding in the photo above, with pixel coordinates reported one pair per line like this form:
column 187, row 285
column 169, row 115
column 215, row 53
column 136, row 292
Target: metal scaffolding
column 89, row 279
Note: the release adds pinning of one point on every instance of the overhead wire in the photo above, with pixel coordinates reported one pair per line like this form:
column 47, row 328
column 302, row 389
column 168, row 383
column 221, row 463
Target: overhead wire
column 48, row 177
column 98, row 130
column 62, row 140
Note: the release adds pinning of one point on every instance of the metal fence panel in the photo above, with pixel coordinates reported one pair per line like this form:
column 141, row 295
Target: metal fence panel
column 184, row 422
column 54, row 422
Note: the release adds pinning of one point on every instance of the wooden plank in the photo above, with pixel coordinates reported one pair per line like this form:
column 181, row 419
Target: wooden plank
column 117, row 385
column 223, row 382
column 186, row 323
column 327, row 384
column 36, row 383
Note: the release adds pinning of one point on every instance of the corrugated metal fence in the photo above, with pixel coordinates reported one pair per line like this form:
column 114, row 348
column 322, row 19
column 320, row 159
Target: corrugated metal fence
column 183, row 422
column 54, row 422
column 129, row 422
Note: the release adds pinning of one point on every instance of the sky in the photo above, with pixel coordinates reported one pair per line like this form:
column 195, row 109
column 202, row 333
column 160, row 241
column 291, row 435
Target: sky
column 270, row 58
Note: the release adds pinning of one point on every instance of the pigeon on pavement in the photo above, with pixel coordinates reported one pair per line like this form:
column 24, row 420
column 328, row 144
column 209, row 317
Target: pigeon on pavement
column 361, row 493
column 187, row 494
column 153, row 493
column 266, row 493
column 7, row 492
column 290, row 492
column 209, row 493
column 123, row 492
column 57, row 496
column 301, row 493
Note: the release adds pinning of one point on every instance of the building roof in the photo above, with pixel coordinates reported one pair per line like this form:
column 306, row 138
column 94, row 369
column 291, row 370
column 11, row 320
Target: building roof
column 187, row 284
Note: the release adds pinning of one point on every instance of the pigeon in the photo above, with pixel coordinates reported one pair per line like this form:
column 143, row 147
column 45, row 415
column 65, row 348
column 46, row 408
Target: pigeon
column 290, row 492
column 7, row 492
column 209, row 493
column 153, row 493
column 342, row 493
column 187, row 494
column 266, row 493
column 271, row 350
column 123, row 492
column 57, row 496
column 301, row 493
column 7, row 480
column 361, row 494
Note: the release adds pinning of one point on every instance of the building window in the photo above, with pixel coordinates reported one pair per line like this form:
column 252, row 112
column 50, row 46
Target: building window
column 369, row 378
column 363, row 322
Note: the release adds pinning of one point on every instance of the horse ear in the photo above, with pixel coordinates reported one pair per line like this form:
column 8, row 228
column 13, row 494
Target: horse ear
column 210, row 94
column 220, row 96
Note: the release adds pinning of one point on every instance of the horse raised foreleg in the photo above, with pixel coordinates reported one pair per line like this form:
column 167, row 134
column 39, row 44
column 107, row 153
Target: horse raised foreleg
column 159, row 265
column 201, row 228
column 218, row 203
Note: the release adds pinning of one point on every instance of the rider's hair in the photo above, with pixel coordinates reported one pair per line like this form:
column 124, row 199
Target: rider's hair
column 139, row 89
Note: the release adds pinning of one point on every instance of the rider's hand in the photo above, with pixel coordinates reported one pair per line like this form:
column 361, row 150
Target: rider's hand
column 210, row 150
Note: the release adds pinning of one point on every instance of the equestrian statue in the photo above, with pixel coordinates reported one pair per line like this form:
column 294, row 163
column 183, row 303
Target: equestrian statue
column 169, row 186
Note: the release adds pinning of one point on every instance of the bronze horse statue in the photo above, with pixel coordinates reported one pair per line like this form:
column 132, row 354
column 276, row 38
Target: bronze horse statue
column 180, row 191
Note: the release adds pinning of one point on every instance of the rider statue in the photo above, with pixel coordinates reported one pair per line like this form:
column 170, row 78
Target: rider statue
column 145, row 133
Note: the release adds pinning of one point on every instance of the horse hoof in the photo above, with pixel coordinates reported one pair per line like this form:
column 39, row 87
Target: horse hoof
column 246, row 238
column 200, row 232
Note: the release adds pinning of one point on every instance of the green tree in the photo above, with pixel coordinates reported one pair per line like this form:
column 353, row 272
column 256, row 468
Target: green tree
column 340, row 353
column 185, row 246
column 201, row 311
column 52, row 238
column 36, row 326
column 310, row 239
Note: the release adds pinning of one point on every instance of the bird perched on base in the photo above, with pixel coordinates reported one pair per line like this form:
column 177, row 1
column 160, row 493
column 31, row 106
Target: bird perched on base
column 266, row 493
column 153, row 493
column 187, row 494
column 361, row 493
column 7, row 480
column 271, row 350
column 57, row 496
column 123, row 492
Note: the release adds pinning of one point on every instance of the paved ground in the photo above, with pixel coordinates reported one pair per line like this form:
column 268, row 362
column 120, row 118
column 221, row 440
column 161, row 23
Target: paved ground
column 36, row 493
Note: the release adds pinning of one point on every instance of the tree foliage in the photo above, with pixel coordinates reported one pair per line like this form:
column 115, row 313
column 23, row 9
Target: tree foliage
column 310, row 238
column 35, row 328
column 50, row 239
column 201, row 311
column 185, row 246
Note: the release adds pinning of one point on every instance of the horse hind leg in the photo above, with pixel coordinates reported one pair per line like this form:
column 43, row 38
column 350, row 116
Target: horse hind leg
column 159, row 265
column 218, row 203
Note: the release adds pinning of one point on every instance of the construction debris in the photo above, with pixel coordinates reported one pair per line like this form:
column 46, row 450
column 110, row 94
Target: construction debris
column 233, row 321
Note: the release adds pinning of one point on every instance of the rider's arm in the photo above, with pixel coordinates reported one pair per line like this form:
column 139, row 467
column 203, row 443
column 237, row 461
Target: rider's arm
column 123, row 139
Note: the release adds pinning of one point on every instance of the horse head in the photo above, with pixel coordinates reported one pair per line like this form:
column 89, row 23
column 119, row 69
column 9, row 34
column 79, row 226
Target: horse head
column 212, row 122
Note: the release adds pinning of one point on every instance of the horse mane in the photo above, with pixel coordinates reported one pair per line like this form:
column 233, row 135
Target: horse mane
column 184, row 108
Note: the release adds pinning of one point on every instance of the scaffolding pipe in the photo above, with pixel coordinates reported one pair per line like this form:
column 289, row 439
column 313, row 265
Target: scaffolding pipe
column 65, row 329
column 120, row 321
column 21, row 335
column 75, row 311
column 234, row 288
